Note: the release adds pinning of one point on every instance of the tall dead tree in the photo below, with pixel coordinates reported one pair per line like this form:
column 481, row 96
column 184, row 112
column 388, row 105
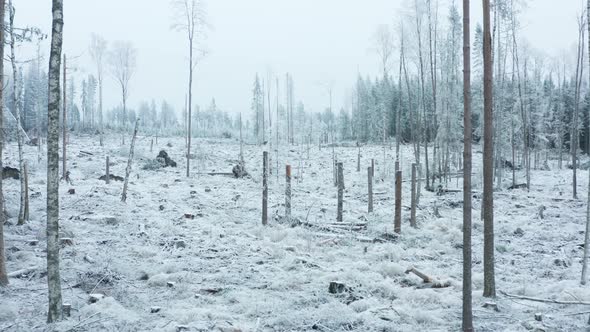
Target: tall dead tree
column 467, row 312
column 3, row 274
column 587, row 233
column 64, row 127
column 53, row 278
column 123, row 61
column 17, row 109
column 488, row 158
column 190, row 16
column 98, row 48
column 575, row 141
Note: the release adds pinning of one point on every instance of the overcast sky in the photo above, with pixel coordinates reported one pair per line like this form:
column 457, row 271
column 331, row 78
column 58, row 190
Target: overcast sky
column 320, row 42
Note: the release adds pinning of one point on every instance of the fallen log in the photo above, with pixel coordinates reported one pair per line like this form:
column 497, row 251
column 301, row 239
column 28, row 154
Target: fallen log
column 422, row 276
column 518, row 186
column 428, row 281
column 217, row 173
column 536, row 299
column 23, row 272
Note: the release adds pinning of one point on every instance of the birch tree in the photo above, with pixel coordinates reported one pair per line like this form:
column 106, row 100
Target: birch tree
column 190, row 20
column 17, row 110
column 3, row 275
column 53, row 277
column 587, row 233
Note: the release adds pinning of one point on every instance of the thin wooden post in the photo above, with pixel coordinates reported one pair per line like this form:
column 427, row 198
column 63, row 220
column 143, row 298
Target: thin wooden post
column 288, row 192
column 372, row 168
column 242, row 143
column 152, row 145
column 108, row 180
column 398, row 202
column 397, row 166
column 413, row 198
column 340, row 191
column 265, row 188
column 358, row 161
column 26, row 171
column 370, row 182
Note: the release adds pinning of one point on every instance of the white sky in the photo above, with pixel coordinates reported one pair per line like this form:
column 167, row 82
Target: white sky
column 318, row 41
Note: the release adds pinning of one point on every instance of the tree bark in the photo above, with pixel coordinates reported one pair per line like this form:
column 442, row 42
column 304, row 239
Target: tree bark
column 129, row 162
column 398, row 202
column 16, row 102
column 288, row 192
column 3, row 274
column 467, row 312
column 265, row 188
column 488, row 159
column 340, row 191
column 65, row 126
column 53, row 275
column 587, row 233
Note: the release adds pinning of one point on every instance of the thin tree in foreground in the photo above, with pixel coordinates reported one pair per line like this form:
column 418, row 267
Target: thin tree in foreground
column 129, row 162
column 3, row 275
column 587, row 234
column 53, row 278
column 190, row 20
column 489, row 287
column 467, row 322
column 17, row 110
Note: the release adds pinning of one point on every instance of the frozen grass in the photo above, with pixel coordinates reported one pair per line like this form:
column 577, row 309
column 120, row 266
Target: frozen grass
column 232, row 273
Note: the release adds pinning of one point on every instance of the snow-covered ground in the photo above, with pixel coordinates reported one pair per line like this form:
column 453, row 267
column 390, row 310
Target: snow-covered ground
column 229, row 273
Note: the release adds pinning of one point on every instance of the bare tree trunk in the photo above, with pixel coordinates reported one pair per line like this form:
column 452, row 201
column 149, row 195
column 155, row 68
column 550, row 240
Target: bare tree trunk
column 340, row 191
column 129, row 162
column 3, row 274
column 53, row 277
column 190, row 102
column 398, row 202
column 65, row 125
column 16, row 102
column 288, row 192
column 265, row 188
column 574, row 140
column 241, row 143
column 488, row 161
column 413, row 198
column 467, row 313
column 587, row 233
column 26, row 178
column 108, row 171
column 370, row 188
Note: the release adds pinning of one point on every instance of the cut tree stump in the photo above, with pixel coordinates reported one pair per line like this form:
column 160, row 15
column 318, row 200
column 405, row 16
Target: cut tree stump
column 336, row 287
column 491, row 305
column 66, row 309
column 95, row 297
